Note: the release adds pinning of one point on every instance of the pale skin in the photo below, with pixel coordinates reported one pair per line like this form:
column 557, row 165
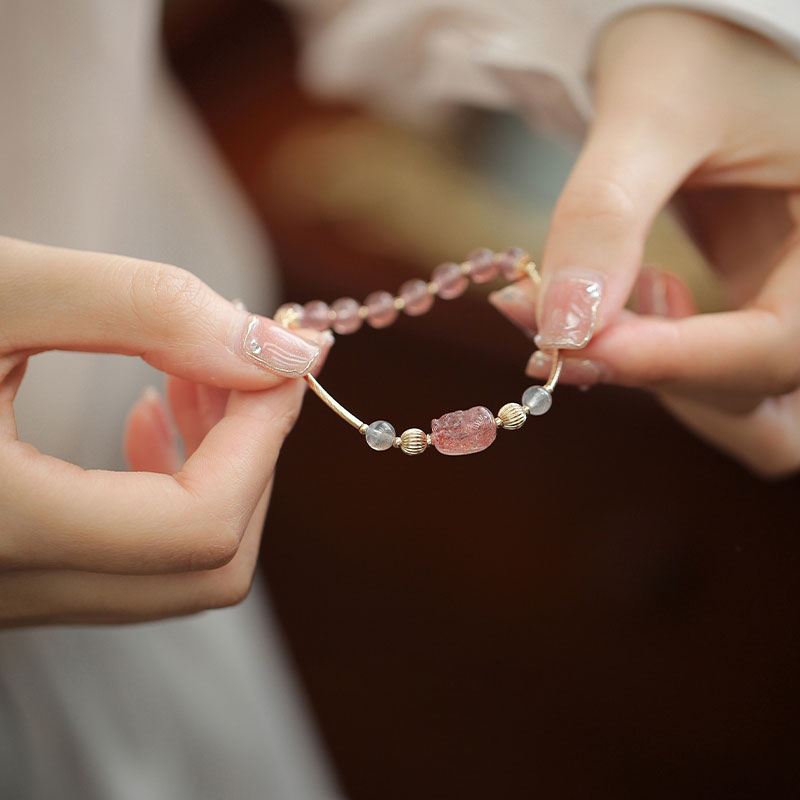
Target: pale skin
column 171, row 537
column 687, row 102
column 682, row 101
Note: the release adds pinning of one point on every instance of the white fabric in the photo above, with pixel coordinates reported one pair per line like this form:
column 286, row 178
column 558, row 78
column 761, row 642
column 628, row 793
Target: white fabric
column 411, row 57
column 98, row 152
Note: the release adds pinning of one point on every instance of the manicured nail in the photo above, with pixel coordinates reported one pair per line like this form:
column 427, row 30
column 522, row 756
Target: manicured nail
column 651, row 293
column 516, row 306
column 280, row 350
column 238, row 303
column 569, row 309
column 581, row 372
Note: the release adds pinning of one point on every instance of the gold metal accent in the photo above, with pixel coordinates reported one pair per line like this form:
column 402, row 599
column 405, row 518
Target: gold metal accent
column 288, row 317
column 363, row 312
column 555, row 370
column 511, row 416
column 466, row 267
column 335, row 406
column 399, row 303
column 532, row 271
column 433, row 287
column 413, row 441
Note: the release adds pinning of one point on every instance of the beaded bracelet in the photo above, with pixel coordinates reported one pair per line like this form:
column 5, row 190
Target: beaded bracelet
column 455, row 433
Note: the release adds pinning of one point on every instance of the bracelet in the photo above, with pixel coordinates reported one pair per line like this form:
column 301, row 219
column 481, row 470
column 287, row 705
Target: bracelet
column 455, row 433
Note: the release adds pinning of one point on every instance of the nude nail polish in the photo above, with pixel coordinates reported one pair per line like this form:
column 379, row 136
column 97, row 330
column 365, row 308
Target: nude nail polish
column 569, row 309
column 278, row 349
column 516, row 306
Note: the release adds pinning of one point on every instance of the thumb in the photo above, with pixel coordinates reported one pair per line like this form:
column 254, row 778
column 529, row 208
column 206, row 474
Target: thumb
column 52, row 298
column 632, row 162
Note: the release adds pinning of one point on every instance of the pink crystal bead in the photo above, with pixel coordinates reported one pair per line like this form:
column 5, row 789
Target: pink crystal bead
column 450, row 279
column 317, row 315
column 461, row 432
column 416, row 297
column 382, row 311
column 347, row 319
column 482, row 268
column 510, row 262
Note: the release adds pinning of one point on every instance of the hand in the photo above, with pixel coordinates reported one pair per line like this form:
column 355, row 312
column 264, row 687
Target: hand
column 684, row 103
column 96, row 546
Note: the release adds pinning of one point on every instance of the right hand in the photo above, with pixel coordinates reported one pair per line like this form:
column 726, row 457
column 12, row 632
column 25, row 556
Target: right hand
column 94, row 546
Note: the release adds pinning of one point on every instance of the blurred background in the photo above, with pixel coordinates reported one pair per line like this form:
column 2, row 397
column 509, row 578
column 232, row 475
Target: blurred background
column 598, row 606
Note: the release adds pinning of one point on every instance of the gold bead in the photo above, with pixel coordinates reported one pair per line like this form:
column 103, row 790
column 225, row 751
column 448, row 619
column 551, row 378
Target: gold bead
column 511, row 416
column 288, row 315
column 413, row 441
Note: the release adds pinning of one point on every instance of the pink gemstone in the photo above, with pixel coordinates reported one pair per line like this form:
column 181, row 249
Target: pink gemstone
column 382, row 311
column 450, row 279
column 461, row 432
column 347, row 316
column 481, row 265
column 416, row 297
column 511, row 263
column 317, row 315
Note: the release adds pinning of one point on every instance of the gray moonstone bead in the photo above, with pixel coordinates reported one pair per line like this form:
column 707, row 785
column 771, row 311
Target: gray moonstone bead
column 380, row 435
column 537, row 400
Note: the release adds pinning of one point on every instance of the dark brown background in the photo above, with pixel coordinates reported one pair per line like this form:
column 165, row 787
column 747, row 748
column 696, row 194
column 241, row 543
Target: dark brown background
column 597, row 607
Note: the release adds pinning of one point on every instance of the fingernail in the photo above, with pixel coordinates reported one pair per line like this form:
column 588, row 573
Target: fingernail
column 569, row 309
column 581, row 372
column 285, row 352
column 516, row 306
column 651, row 293
column 238, row 303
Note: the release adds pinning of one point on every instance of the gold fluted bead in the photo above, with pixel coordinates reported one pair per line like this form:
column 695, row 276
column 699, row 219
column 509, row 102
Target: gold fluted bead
column 413, row 441
column 512, row 416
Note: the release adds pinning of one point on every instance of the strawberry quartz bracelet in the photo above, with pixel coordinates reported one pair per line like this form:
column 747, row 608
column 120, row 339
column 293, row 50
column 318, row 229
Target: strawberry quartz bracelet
column 456, row 433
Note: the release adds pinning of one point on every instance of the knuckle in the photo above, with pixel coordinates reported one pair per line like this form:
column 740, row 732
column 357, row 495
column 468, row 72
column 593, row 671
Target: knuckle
column 215, row 547
column 605, row 199
column 232, row 588
column 160, row 293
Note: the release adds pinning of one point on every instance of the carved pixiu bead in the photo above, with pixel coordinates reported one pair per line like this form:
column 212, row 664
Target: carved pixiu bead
column 461, row 432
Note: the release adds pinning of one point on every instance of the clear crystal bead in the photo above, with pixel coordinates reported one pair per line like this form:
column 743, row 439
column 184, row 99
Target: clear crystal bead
column 537, row 400
column 380, row 435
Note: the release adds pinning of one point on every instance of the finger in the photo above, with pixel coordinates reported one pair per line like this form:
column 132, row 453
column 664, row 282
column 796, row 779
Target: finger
column 143, row 522
column 195, row 408
column 66, row 299
column 638, row 151
column 517, row 303
column 70, row 596
column 661, row 294
column 766, row 441
column 149, row 441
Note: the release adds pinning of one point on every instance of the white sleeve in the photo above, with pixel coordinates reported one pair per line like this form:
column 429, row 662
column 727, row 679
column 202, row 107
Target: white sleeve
column 413, row 56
